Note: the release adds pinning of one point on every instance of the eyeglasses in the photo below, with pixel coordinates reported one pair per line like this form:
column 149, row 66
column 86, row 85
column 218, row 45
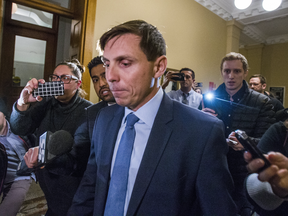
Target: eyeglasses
column 64, row 78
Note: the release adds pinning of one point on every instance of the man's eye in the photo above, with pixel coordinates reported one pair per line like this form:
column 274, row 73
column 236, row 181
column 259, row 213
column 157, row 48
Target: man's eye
column 125, row 64
column 103, row 76
column 95, row 80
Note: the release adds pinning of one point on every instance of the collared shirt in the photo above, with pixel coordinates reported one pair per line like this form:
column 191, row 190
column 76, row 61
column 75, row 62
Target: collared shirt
column 194, row 98
column 229, row 108
column 146, row 115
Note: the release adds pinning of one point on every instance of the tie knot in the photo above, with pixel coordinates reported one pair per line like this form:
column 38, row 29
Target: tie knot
column 131, row 120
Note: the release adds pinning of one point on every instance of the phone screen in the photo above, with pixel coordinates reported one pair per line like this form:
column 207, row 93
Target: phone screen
column 54, row 88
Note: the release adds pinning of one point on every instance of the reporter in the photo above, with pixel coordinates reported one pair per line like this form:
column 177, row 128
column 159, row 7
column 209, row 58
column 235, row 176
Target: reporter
column 60, row 179
column 268, row 190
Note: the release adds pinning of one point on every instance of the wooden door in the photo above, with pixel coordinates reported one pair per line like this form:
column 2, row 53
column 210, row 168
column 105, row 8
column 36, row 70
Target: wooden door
column 10, row 84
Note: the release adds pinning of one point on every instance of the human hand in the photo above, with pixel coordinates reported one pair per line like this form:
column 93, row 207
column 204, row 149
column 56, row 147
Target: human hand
column 209, row 111
column 276, row 174
column 233, row 142
column 26, row 96
column 31, row 157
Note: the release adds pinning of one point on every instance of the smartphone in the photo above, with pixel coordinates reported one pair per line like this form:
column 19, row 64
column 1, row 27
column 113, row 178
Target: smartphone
column 54, row 88
column 178, row 76
column 251, row 147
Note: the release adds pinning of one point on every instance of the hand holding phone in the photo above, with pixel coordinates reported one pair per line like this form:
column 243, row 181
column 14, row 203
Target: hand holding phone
column 251, row 147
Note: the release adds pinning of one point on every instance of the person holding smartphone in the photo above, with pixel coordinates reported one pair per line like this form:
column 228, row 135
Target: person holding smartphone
column 186, row 93
column 59, row 179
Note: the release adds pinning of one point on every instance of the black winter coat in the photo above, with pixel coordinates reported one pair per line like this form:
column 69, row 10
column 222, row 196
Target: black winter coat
column 254, row 114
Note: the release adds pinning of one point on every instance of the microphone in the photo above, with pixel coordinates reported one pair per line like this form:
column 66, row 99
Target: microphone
column 52, row 145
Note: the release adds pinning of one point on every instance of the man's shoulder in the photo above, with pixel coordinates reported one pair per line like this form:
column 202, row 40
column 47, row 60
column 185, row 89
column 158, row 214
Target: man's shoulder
column 193, row 114
column 96, row 106
column 173, row 93
column 257, row 98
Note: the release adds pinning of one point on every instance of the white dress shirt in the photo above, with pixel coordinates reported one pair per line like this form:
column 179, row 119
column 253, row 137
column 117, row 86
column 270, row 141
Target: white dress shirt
column 193, row 97
column 146, row 115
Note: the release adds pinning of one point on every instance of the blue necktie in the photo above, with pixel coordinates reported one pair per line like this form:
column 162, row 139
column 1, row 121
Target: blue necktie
column 119, row 180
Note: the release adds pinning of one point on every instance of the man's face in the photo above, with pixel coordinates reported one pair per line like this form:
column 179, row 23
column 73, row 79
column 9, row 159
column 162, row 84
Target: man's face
column 233, row 75
column 100, row 84
column 255, row 84
column 188, row 81
column 131, row 77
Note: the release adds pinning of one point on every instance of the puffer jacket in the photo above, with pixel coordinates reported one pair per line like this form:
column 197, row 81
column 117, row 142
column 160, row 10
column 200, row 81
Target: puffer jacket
column 253, row 114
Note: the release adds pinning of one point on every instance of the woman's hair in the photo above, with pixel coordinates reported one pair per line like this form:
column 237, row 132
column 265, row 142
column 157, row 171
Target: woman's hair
column 77, row 69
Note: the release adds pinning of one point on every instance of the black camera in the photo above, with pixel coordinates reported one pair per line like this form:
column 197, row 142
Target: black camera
column 178, row 76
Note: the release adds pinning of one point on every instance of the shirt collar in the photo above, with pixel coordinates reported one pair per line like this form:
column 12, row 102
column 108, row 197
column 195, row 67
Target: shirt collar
column 148, row 111
column 188, row 92
column 238, row 96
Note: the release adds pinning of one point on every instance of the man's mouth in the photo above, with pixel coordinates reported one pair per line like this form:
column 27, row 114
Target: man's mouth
column 104, row 92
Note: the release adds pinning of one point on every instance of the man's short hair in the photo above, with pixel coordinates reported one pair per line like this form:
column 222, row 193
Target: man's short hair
column 261, row 78
column 188, row 69
column 152, row 42
column 93, row 63
column 235, row 56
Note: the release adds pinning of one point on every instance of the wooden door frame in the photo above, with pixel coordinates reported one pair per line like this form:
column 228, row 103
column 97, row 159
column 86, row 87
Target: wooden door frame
column 87, row 17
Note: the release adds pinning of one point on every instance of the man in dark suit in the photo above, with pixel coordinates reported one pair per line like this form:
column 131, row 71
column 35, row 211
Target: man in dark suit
column 178, row 163
column 97, row 74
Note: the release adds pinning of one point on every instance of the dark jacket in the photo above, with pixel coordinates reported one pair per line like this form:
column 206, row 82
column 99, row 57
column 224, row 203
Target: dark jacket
column 92, row 112
column 59, row 180
column 182, row 172
column 254, row 114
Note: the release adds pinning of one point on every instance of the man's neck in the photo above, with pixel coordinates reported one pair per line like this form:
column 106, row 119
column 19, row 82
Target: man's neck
column 233, row 92
column 186, row 90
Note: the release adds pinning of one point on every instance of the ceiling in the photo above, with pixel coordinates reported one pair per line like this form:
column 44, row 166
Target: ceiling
column 260, row 26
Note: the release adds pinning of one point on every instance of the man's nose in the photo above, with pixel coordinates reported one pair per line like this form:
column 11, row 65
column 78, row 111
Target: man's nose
column 112, row 73
column 103, row 81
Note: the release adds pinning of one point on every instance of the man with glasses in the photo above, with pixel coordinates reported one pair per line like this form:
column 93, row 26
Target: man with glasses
column 257, row 82
column 186, row 93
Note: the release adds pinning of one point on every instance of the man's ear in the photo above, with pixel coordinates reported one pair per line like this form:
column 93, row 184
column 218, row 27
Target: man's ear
column 160, row 66
column 264, row 86
column 245, row 73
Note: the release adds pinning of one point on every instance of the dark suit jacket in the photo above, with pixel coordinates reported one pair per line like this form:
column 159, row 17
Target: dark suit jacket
column 183, row 170
column 92, row 112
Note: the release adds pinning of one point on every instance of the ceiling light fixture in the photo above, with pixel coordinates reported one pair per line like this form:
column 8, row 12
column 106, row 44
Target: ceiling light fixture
column 242, row 4
column 270, row 5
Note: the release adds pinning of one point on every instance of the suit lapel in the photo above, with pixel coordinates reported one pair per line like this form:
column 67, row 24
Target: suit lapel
column 158, row 139
column 107, row 135
column 108, row 138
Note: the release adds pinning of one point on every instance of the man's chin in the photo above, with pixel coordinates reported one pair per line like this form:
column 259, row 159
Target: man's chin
column 107, row 98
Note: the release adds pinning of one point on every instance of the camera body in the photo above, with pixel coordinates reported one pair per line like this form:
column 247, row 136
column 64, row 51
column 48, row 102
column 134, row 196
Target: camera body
column 178, row 77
